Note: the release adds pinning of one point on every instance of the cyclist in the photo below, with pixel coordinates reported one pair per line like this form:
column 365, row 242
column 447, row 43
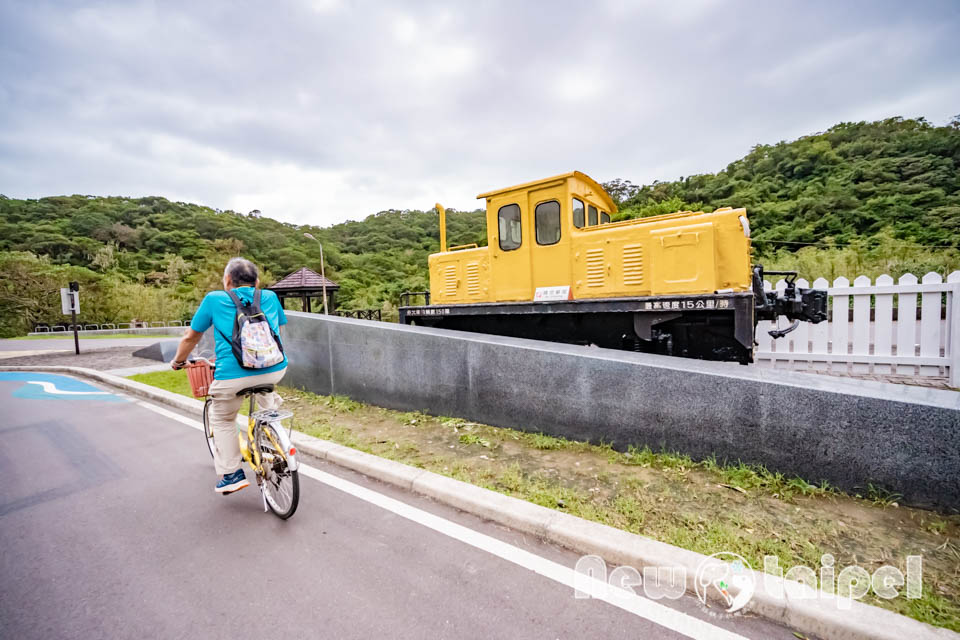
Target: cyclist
column 218, row 310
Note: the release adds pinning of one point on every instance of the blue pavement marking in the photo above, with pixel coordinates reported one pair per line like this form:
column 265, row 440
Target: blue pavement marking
column 48, row 386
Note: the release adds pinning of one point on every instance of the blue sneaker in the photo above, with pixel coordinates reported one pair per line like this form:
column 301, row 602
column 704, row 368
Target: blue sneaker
column 232, row 482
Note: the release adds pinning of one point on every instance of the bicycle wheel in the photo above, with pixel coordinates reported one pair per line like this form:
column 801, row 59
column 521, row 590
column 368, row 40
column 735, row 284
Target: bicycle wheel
column 281, row 485
column 207, row 427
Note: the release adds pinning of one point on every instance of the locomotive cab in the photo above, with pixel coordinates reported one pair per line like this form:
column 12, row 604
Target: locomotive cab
column 555, row 236
column 530, row 228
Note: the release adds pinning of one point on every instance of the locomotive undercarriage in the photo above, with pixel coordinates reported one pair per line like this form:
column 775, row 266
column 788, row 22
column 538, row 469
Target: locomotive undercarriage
column 716, row 326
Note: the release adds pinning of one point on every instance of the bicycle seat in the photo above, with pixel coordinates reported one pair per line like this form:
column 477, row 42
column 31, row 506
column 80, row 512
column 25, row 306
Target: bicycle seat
column 262, row 388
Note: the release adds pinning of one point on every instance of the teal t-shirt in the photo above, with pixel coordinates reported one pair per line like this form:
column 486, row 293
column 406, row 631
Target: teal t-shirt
column 218, row 309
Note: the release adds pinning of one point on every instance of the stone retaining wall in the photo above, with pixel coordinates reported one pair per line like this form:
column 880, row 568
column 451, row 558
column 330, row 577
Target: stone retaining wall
column 848, row 432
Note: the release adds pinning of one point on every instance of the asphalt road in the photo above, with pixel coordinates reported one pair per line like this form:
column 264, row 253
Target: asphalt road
column 110, row 528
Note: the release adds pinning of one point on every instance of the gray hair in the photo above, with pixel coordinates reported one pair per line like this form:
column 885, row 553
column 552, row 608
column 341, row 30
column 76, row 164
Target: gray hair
column 241, row 272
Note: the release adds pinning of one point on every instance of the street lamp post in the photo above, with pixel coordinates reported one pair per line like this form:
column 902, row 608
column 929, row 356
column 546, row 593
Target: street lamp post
column 323, row 277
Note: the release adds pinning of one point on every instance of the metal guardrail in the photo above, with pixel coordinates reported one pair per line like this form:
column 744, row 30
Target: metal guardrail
column 93, row 326
column 407, row 296
column 359, row 314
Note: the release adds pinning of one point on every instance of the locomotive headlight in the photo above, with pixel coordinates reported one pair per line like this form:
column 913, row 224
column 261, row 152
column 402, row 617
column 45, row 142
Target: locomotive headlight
column 746, row 226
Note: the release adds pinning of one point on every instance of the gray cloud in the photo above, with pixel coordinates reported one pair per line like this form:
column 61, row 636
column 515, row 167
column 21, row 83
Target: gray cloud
column 318, row 111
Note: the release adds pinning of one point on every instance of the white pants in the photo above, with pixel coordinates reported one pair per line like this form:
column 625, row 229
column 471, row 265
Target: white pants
column 223, row 415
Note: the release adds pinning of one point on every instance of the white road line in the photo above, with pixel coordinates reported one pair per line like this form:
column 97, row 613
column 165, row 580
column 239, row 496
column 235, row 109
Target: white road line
column 49, row 387
column 190, row 422
column 643, row 607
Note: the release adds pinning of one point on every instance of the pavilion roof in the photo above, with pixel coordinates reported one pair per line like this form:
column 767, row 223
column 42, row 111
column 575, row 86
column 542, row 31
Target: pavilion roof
column 303, row 279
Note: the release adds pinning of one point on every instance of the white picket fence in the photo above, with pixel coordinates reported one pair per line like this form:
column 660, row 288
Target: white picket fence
column 881, row 345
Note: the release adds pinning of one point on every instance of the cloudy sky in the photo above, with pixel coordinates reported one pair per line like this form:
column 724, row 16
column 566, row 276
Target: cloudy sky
column 317, row 111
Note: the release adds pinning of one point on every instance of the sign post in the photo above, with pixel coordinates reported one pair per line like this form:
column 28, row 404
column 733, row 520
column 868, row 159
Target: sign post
column 70, row 304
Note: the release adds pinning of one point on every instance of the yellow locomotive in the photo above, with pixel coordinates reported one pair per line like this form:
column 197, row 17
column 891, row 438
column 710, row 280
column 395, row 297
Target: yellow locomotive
column 556, row 268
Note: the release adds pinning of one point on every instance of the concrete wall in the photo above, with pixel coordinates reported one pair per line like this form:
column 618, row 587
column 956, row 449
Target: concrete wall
column 848, row 432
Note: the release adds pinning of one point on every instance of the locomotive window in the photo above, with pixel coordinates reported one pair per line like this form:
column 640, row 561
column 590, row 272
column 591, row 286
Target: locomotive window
column 510, row 233
column 604, row 217
column 591, row 215
column 547, row 217
column 577, row 213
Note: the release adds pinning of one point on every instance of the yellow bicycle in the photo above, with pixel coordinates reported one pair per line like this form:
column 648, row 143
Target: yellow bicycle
column 272, row 457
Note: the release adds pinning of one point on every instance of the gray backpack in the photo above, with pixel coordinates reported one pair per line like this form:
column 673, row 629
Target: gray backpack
column 255, row 344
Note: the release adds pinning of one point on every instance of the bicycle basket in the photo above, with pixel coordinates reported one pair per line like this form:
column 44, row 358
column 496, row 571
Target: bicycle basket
column 200, row 375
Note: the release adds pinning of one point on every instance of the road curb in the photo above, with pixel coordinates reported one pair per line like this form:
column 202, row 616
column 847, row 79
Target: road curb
column 821, row 616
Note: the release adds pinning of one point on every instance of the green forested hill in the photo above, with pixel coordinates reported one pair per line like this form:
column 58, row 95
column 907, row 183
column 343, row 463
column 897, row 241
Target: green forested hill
column 849, row 183
column 152, row 259
column 859, row 198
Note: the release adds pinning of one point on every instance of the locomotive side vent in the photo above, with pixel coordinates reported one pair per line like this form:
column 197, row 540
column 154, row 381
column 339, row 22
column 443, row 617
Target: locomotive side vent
column 633, row 265
column 595, row 268
column 473, row 279
column 450, row 280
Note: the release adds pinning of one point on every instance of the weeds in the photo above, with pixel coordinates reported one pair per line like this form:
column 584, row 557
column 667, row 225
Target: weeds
column 641, row 457
column 472, row 438
column 544, row 442
column 341, row 403
column 511, row 478
column 632, row 511
column 882, row 497
column 420, row 418
column 937, row 527
column 742, row 475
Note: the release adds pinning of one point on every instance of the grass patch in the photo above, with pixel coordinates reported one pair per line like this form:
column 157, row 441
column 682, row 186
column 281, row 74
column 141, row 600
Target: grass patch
column 882, row 497
column 416, row 417
column 932, row 608
column 340, row 403
column 472, row 438
column 544, row 442
column 174, row 381
column 937, row 527
column 332, row 432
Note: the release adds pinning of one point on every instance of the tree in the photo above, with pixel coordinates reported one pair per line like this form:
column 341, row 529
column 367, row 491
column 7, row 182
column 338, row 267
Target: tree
column 175, row 268
column 105, row 258
column 620, row 190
